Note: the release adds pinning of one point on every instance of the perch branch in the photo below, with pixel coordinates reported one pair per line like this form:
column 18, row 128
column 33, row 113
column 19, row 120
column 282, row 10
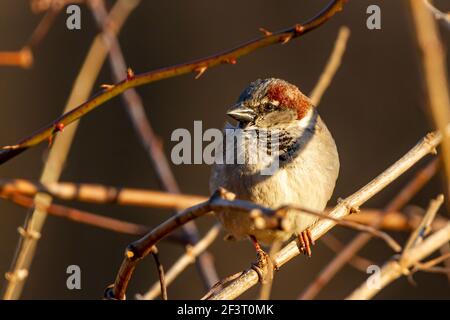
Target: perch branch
column 227, row 57
column 357, row 262
column 250, row 277
column 402, row 198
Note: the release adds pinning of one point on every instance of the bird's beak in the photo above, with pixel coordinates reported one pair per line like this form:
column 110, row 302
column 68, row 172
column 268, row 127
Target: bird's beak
column 241, row 113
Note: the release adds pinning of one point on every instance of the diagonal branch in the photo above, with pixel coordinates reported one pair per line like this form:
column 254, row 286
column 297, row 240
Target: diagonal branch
column 227, row 57
column 402, row 198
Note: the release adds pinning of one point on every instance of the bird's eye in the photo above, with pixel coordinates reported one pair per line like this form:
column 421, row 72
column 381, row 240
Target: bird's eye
column 268, row 107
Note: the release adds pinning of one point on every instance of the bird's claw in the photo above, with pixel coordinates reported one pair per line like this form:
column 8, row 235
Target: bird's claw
column 263, row 266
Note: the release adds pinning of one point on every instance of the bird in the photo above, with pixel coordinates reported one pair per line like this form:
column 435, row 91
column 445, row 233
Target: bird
column 308, row 162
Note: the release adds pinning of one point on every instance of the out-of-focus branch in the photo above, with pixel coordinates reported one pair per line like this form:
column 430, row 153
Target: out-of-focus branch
column 182, row 263
column 435, row 73
column 393, row 269
column 88, row 218
column 414, row 252
column 351, row 204
column 58, row 154
column 24, row 57
column 161, row 275
column 221, row 200
column 101, row 194
column 401, row 199
column 198, row 66
column 438, row 14
column 149, row 140
column 332, row 66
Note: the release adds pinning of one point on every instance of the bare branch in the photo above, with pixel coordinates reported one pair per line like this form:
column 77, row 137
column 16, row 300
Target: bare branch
column 58, row 153
column 332, row 66
column 227, row 57
column 160, row 268
column 413, row 253
column 332, row 268
column 148, row 138
column 180, row 265
column 350, row 204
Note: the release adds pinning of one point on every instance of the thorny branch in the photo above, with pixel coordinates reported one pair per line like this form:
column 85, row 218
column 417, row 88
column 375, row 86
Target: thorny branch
column 198, row 66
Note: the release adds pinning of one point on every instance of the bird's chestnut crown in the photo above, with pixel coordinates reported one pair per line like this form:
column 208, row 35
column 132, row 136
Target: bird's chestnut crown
column 270, row 102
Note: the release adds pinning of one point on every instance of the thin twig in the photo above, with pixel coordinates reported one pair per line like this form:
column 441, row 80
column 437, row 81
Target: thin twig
column 438, row 14
column 332, row 66
column 227, row 57
column 160, row 268
column 24, row 57
column 434, row 65
column 350, row 204
column 57, row 156
column 424, row 227
column 352, row 248
column 149, row 140
column 393, row 269
column 220, row 200
column 101, row 194
column 357, row 262
column 266, row 287
column 181, row 264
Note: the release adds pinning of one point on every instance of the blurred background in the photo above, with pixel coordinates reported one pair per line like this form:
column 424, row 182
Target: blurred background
column 375, row 108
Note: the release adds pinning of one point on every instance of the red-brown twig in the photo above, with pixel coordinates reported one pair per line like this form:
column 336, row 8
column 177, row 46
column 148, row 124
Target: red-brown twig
column 229, row 56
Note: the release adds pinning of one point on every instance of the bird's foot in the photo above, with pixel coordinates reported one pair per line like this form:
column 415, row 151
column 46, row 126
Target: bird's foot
column 264, row 265
column 305, row 242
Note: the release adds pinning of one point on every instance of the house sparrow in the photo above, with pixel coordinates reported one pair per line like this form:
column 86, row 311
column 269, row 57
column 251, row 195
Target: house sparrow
column 308, row 162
